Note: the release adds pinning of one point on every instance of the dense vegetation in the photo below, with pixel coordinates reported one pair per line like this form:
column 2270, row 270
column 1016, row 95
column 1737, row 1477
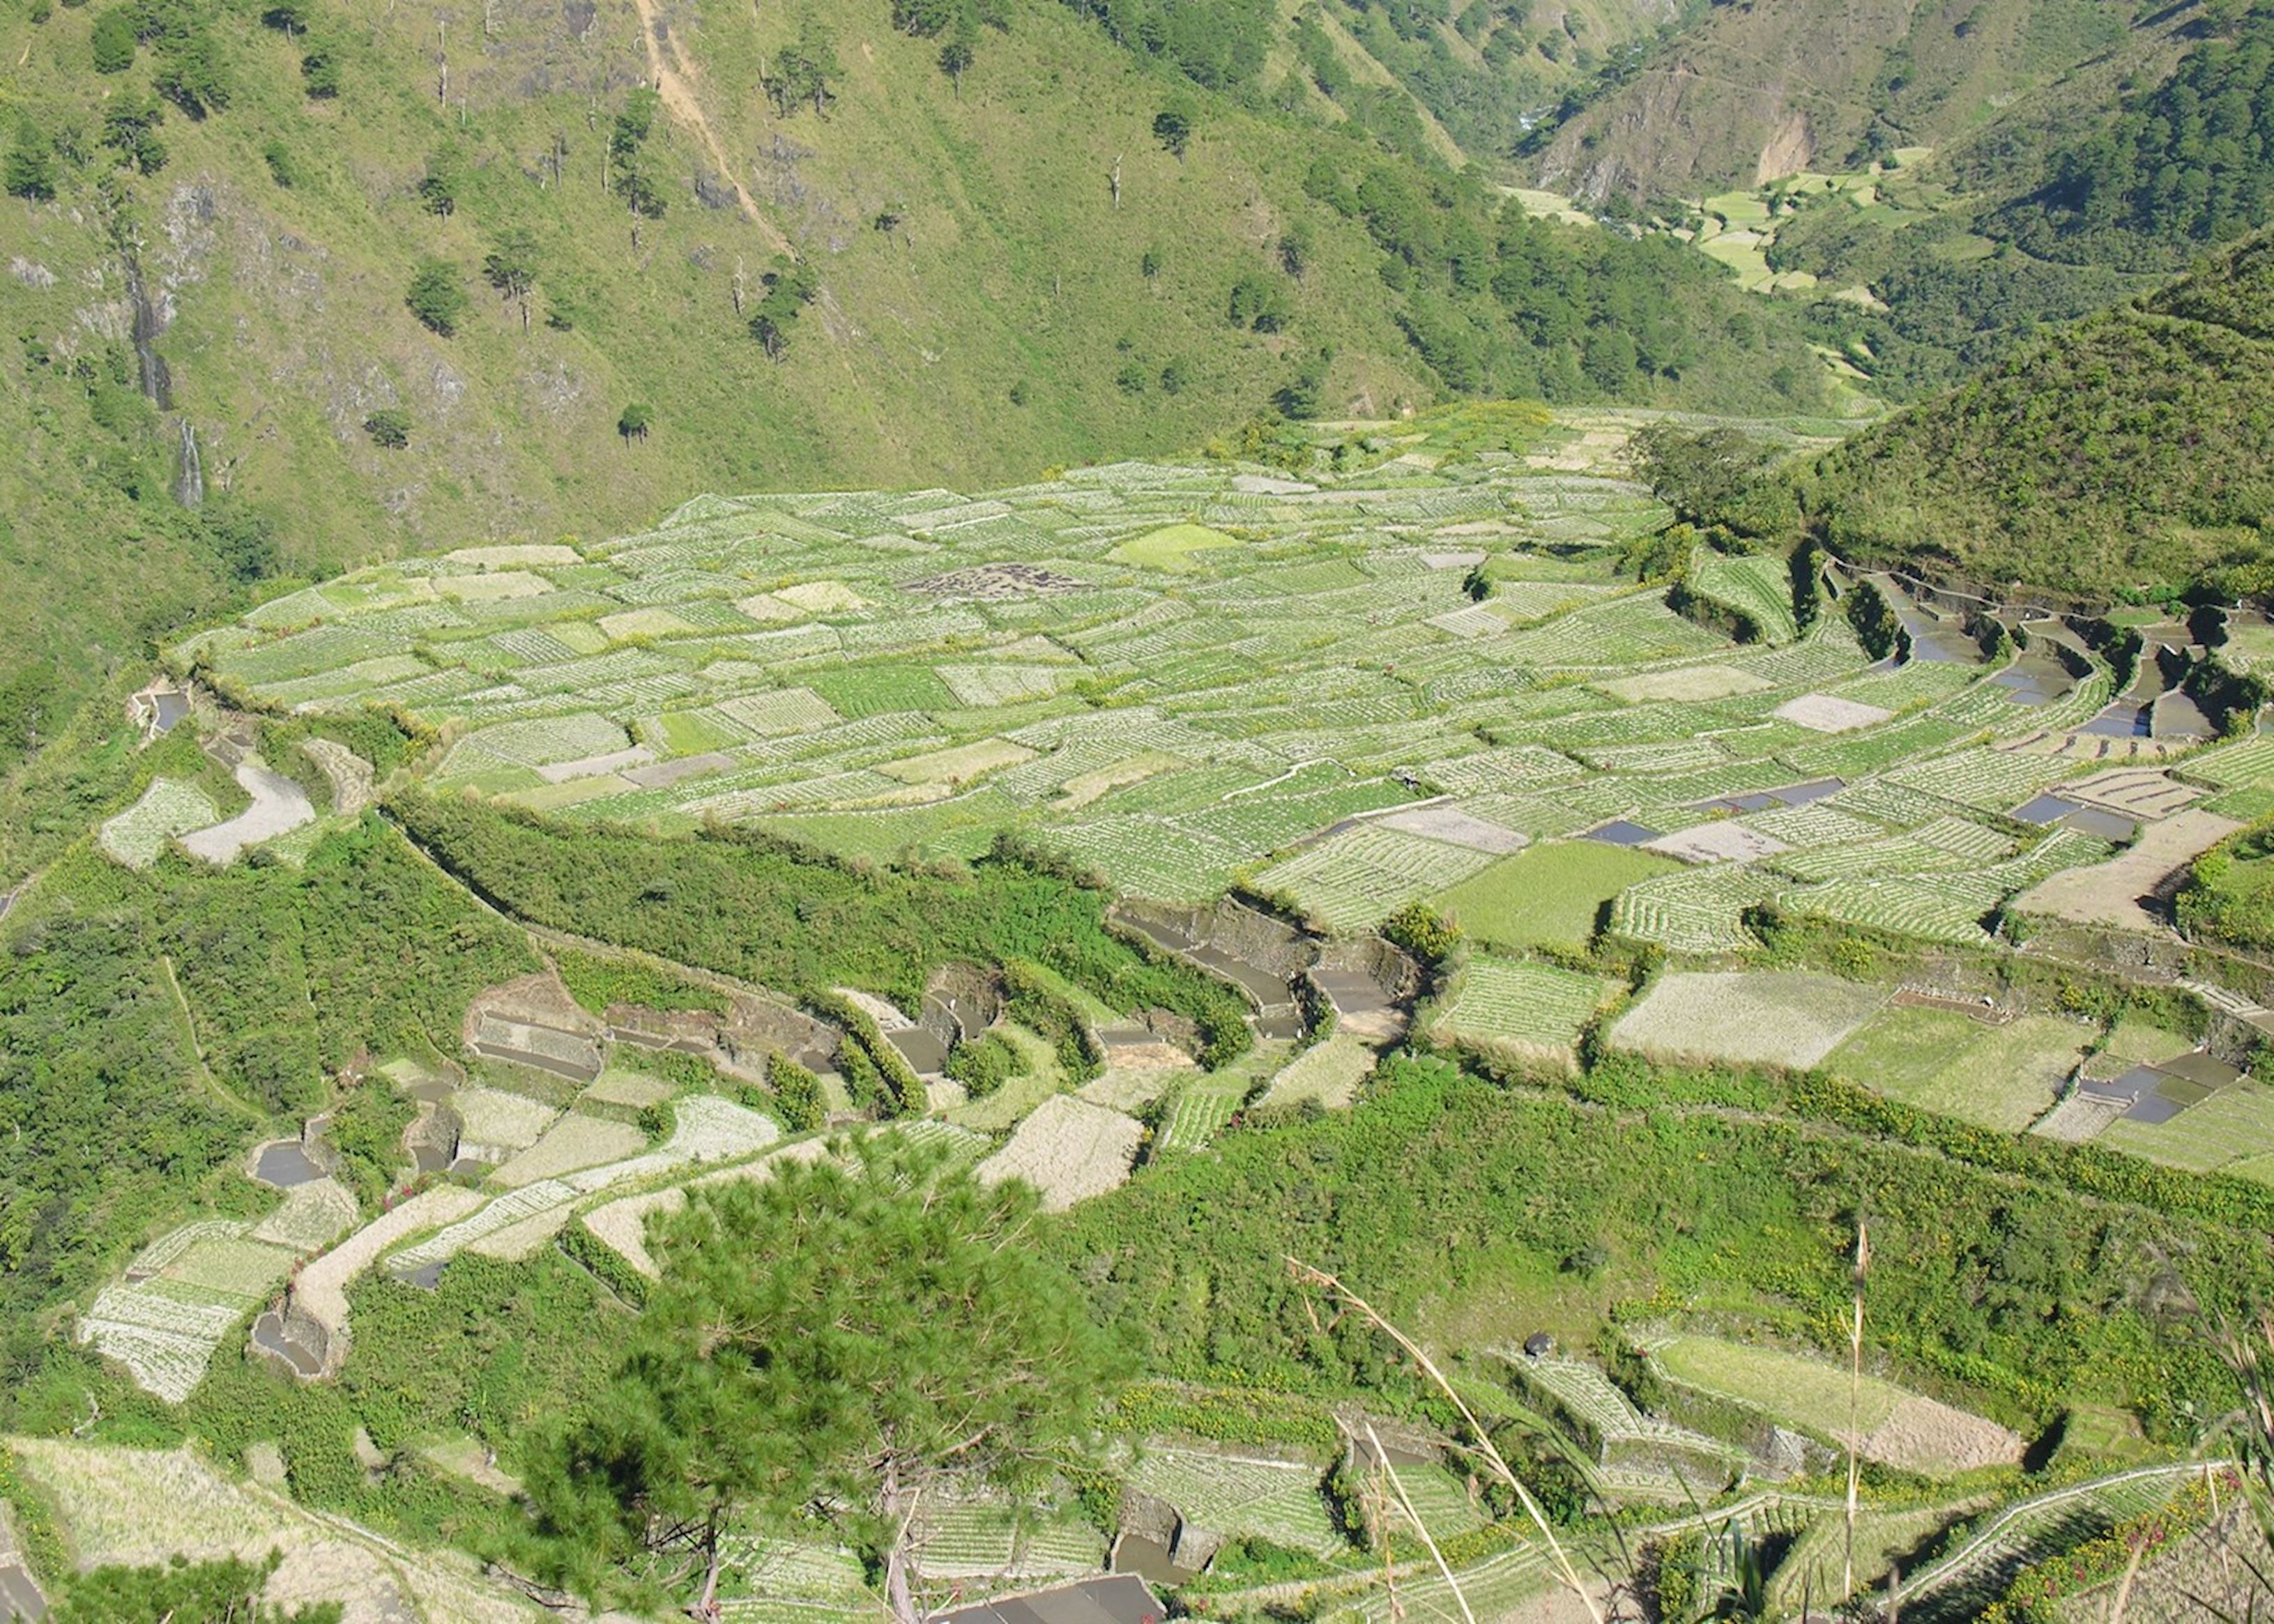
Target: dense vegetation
column 2228, row 897
column 151, row 1024
column 882, row 1350
column 749, row 905
column 2127, row 453
column 1445, row 1199
column 2188, row 162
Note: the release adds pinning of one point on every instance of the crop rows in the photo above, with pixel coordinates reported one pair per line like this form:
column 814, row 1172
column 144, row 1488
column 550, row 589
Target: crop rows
column 1993, row 780
column 167, row 809
column 1361, row 876
column 1758, row 586
column 1274, row 1500
column 1199, row 1113
column 1697, row 911
column 1523, row 1002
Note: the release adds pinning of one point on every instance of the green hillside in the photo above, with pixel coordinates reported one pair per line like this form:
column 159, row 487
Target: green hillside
column 2127, row 453
column 959, row 277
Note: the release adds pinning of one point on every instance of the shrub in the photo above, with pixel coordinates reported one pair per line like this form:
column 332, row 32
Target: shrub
column 112, row 43
column 1422, row 931
column 284, row 169
column 129, row 126
column 438, row 189
column 1258, row 303
column 30, row 171
column 634, row 423
column 985, row 1063
column 388, row 426
column 319, row 73
column 191, row 74
column 797, row 1094
column 437, row 296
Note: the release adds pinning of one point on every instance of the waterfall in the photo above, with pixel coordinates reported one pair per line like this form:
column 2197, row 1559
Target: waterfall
column 190, row 481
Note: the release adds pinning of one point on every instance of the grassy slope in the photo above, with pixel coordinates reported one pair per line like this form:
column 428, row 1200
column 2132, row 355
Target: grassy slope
column 2129, row 450
column 1011, row 265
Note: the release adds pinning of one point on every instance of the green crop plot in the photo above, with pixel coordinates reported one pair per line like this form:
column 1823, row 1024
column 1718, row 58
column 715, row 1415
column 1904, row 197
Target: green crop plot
column 1361, row 876
column 1758, row 587
column 1550, row 893
column 1171, row 548
column 2002, row 1077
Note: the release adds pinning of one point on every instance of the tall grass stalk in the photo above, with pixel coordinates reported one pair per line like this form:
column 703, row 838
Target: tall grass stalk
column 1338, row 1292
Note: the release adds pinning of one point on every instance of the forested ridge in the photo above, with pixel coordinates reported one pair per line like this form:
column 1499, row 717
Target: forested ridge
column 2127, row 454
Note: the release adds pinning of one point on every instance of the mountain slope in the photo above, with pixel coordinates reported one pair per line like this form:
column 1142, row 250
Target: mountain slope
column 986, row 273
column 1757, row 91
column 2133, row 451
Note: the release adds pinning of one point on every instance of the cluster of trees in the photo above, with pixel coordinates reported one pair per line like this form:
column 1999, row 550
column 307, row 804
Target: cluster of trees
column 801, row 72
column 633, row 179
column 1498, row 302
column 2127, row 454
column 1718, row 481
column 2188, row 163
column 956, row 25
column 1219, row 44
column 892, row 1334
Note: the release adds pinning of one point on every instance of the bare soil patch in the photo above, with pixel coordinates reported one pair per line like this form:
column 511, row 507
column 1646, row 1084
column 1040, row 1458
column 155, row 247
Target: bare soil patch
column 1069, row 1150
column 1826, row 713
column 278, row 806
column 2115, row 892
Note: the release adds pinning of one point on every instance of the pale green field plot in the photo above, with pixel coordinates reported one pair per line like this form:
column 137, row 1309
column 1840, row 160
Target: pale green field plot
column 1553, row 892
column 1523, row 1005
column 1895, row 1425
column 167, row 809
column 1328, row 1072
column 1684, row 682
column 1171, row 548
column 777, row 711
column 1783, row 1018
column 2133, row 1038
column 2001, row 1077
column 958, row 765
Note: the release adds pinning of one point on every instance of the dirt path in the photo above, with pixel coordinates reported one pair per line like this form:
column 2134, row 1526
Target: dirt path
column 675, row 83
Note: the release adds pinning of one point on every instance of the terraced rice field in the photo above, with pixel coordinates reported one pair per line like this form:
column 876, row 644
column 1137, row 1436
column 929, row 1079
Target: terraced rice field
column 187, row 1292
column 1185, row 676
